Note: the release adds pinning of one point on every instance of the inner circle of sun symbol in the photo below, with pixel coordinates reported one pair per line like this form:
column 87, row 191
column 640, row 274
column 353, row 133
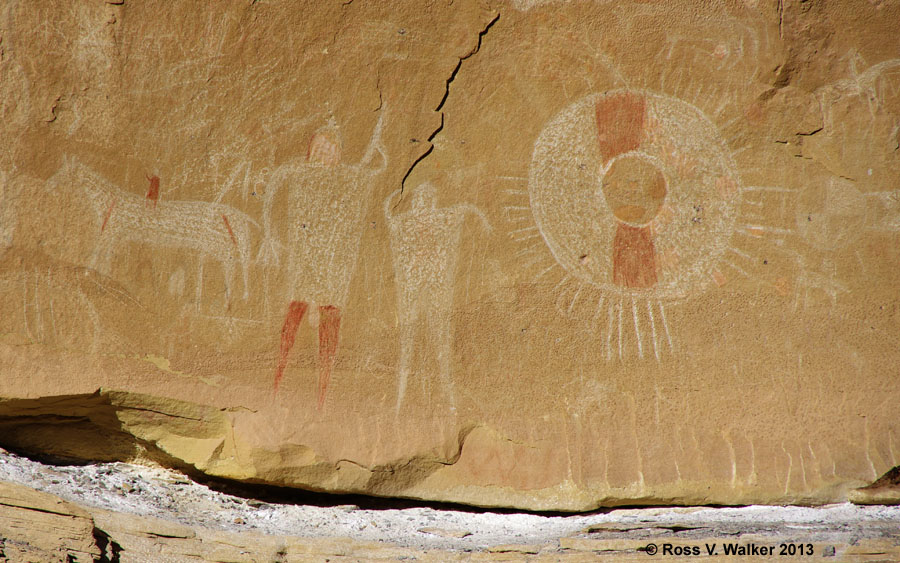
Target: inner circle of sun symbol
column 636, row 195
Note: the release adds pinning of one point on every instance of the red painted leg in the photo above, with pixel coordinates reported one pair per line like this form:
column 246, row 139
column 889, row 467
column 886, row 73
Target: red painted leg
column 329, row 329
column 288, row 332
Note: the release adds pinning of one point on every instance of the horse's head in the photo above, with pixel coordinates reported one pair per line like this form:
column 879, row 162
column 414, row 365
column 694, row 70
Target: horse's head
column 69, row 165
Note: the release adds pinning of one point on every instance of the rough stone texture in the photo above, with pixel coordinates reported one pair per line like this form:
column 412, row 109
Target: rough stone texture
column 885, row 490
column 553, row 255
column 37, row 526
column 141, row 513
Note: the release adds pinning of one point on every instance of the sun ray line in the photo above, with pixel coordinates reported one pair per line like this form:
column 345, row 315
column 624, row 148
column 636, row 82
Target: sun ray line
column 524, row 230
column 564, row 279
column 543, row 272
column 529, row 237
column 527, row 250
column 736, row 267
column 609, row 329
column 665, row 322
column 531, row 262
column 520, row 219
column 637, row 329
column 720, row 109
column 516, row 192
column 513, row 178
column 766, row 189
column 696, row 97
column 575, row 298
column 621, row 306
column 517, row 208
column 729, row 123
column 653, row 330
column 766, row 229
column 740, row 253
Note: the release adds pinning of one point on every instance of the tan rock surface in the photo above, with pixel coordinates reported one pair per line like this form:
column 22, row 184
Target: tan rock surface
column 37, row 526
column 554, row 255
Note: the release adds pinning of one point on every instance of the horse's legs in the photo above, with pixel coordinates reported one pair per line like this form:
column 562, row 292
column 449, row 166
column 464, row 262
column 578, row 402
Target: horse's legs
column 245, row 266
column 199, row 297
column 228, row 268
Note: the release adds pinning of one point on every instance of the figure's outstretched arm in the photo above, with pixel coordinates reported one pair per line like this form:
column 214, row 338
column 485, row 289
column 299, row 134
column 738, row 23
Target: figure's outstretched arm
column 375, row 144
column 384, row 160
column 468, row 207
column 387, row 205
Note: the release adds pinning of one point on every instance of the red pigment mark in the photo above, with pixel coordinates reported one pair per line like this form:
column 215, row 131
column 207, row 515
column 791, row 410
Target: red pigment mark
column 323, row 150
column 726, row 186
column 754, row 113
column 720, row 278
column 288, row 332
column 108, row 213
column 620, row 123
column 230, row 232
column 758, row 232
column 153, row 191
column 721, row 51
column 634, row 257
column 783, row 286
column 329, row 328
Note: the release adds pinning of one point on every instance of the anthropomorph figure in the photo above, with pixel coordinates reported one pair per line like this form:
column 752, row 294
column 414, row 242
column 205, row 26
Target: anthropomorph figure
column 634, row 188
column 425, row 246
column 324, row 211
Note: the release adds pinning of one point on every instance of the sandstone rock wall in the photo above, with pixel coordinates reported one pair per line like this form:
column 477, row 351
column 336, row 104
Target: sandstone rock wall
column 554, row 255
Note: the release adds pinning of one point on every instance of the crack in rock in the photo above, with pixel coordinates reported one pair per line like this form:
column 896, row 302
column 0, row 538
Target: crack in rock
column 440, row 106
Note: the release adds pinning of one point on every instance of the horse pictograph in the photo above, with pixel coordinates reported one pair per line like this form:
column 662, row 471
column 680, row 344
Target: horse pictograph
column 212, row 230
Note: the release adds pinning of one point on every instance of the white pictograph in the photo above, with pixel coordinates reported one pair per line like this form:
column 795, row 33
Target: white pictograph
column 636, row 195
column 54, row 310
column 325, row 210
column 860, row 136
column 213, row 230
column 7, row 212
column 832, row 218
column 868, row 86
column 425, row 247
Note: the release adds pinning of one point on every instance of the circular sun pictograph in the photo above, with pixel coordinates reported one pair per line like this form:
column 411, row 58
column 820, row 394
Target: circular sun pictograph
column 636, row 195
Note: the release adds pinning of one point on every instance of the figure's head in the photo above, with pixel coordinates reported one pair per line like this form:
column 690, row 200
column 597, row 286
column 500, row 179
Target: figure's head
column 325, row 146
column 424, row 196
column 634, row 188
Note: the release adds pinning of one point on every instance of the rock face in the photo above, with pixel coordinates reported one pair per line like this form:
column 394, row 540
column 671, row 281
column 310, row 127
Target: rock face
column 41, row 527
column 544, row 254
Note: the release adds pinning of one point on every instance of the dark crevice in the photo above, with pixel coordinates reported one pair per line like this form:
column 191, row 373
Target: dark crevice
column 109, row 549
column 889, row 479
column 443, row 101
